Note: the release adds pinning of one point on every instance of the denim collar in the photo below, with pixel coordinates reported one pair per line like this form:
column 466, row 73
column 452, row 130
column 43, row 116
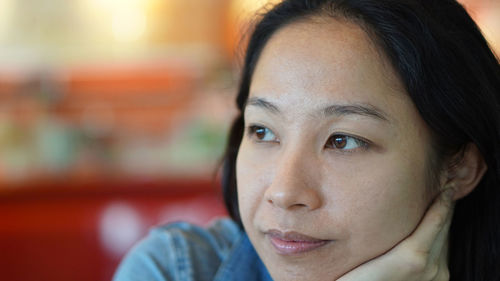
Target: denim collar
column 243, row 263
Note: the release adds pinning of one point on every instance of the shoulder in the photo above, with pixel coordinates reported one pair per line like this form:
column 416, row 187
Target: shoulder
column 180, row 251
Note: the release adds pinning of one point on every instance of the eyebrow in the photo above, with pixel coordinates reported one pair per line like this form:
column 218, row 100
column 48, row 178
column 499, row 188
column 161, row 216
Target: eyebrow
column 262, row 103
column 335, row 109
column 355, row 109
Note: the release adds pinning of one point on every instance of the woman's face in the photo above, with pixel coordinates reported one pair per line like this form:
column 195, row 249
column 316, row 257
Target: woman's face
column 333, row 167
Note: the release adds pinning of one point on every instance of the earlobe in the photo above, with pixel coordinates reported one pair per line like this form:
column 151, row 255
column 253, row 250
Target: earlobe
column 466, row 173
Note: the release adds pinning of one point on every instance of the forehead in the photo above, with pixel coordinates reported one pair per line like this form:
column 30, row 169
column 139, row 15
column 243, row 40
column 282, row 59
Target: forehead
column 321, row 60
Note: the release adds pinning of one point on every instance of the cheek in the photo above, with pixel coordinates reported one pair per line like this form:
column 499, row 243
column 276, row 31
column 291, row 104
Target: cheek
column 371, row 202
column 250, row 177
column 380, row 202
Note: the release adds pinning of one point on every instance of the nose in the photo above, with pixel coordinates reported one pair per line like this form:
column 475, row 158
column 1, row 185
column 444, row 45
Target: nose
column 295, row 183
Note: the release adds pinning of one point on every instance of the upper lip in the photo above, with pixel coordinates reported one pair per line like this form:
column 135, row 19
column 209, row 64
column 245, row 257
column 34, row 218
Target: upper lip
column 292, row 236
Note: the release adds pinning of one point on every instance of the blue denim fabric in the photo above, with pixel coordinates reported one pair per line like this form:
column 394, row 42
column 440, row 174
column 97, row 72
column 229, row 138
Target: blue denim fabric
column 182, row 251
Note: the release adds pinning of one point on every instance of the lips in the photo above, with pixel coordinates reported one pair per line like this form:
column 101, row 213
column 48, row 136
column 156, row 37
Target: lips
column 293, row 243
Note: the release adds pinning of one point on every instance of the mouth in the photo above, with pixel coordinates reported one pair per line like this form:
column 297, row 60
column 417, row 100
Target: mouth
column 293, row 243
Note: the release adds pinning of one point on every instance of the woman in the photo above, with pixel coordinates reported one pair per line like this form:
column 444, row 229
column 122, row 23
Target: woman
column 366, row 149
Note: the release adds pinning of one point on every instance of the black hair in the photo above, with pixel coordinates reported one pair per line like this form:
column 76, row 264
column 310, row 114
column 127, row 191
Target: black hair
column 452, row 77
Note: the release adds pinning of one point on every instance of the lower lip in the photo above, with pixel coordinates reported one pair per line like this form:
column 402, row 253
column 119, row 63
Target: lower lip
column 286, row 247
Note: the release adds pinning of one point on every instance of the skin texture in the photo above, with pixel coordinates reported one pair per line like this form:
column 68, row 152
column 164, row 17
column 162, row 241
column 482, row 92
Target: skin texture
column 363, row 199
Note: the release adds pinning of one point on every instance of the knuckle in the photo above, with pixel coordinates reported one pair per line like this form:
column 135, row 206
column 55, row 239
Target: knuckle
column 416, row 262
column 440, row 219
column 443, row 218
column 444, row 275
column 431, row 272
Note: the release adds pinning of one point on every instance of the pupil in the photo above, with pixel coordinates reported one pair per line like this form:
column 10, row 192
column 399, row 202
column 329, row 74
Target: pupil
column 340, row 142
column 260, row 132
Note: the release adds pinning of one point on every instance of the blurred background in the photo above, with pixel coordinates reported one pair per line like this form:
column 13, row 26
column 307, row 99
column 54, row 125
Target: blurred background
column 113, row 118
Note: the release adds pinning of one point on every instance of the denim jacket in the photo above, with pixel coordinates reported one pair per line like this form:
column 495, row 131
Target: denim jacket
column 182, row 251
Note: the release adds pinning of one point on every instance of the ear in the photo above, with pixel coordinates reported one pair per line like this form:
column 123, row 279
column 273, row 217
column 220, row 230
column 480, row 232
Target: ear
column 465, row 170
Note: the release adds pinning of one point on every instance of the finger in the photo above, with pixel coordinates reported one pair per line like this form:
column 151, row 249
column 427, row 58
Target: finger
column 437, row 258
column 434, row 225
column 430, row 238
column 386, row 267
column 444, row 272
column 376, row 269
column 439, row 247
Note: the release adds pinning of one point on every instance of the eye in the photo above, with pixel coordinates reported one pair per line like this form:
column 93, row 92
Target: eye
column 344, row 142
column 262, row 134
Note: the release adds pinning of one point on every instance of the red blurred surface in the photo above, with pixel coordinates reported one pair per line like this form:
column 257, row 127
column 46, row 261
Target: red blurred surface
column 56, row 233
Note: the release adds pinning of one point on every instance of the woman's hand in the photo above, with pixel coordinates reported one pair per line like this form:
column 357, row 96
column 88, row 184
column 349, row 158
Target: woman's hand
column 420, row 257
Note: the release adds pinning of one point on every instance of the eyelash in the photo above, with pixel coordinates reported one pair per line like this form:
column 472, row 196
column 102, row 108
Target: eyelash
column 362, row 144
column 253, row 131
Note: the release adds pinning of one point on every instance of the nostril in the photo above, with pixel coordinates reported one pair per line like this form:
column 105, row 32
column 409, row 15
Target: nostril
column 286, row 204
column 298, row 207
column 292, row 196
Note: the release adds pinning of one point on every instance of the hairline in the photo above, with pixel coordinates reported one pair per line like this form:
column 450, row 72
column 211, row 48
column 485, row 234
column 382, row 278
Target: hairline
column 435, row 161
